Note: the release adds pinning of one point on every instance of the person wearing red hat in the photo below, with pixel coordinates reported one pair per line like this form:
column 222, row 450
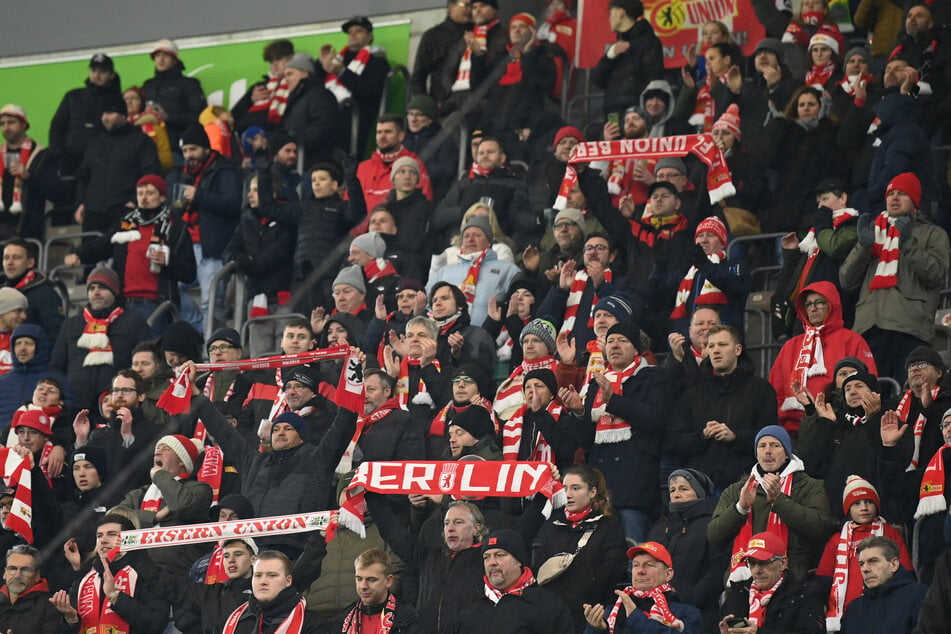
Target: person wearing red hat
column 150, row 249
column 649, row 600
column 179, row 96
column 773, row 600
column 22, row 198
column 560, row 28
column 898, row 265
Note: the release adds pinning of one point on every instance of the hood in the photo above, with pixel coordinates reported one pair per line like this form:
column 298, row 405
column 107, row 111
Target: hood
column 41, row 360
column 894, row 109
column 828, row 290
column 663, row 86
column 349, row 321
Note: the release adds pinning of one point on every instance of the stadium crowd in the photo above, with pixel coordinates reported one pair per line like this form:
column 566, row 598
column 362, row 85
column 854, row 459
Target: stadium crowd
column 549, row 304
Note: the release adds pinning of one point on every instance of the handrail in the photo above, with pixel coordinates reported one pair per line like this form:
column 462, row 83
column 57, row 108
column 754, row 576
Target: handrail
column 63, row 237
column 463, row 145
column 354, row 127
column 244, row 328
column 399, row 69
column 240, row 299
column 40, row 250
column 230, row 267
column 165, row 307
column 743, row 239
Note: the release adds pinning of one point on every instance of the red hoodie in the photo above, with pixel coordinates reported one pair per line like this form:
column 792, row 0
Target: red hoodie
column 836, row 343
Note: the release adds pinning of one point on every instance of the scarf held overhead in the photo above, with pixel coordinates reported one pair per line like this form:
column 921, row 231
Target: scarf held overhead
column 719, row 184
column 487, row 478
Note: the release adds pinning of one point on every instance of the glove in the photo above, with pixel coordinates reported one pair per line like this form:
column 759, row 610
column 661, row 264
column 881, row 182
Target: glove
column 699, row 257
column 903, row 224
column 822, row 219
column 865, row 229
column 244, row 262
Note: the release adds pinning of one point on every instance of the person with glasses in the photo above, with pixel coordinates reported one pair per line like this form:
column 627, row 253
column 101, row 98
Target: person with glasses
column 469, row 384
column 226, row 388
column 565, row 239
column 773, row 599
column 810, row 358
column 25, row 596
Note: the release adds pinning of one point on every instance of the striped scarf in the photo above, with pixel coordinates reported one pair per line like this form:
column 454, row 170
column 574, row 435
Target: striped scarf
column 609, row 428
column 356, row 66
column 574, row 300
column 809, row 362
column 931, row 493
column 377, row 268
column 512, row 436
column 810, row 246
column 508, row 398
column 709, row 294
column 292, row 624
column 351, row 624
column 95, row 337
column 844, row 560
column 464, row 74
column 495, row 595
column 903, row 410
column 759, row 599
column 468, row 286
column 422, row 396
column 704, row 109
column 819, row 75
column 659, row 612
column 26, row 148
column 885, row 249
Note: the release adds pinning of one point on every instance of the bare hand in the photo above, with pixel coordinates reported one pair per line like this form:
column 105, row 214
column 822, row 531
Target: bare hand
column 872, row 403
column 748, row 493
column 418, row 500
column 610, row 131
column 259, row 93
column 627, row 206
column 641, row 174
column 456, row 342
column 675, row 341
column 892, row 430
column 60, row 601
column 54, row 461
column 391, row 361
column 493, row 311
column 773, row 486
column 81, row 427
column 565, row 346
column 429, row 351
column 531, row 258
column 734, row 80
column 628, row 602
column 801, row 394
column 398, row 343
column 571, row 399
column 687, row 77
column 72, row 554
column 911, row 80
column 925, row 395
column 72, row 259
column 790, row 241
column 124, row 414
column 772, row 75
column 604, row 384
column 108, row 580
column 188, row 193
column 860, row 88
column 595, row 271
column 379, row 309
column 318, row 319
column 621, row 47
column 823, row 407
column 79, row 214
column 594, row 615
column 514, row 309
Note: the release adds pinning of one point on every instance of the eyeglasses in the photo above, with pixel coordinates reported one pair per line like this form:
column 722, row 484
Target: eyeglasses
column 27, row 570
column 564, row 223
column 463, row 380
column 222, row 348
column 756, row 563
column 817, row 303
column 917, row 365
column 123, row 390
column 600, row 248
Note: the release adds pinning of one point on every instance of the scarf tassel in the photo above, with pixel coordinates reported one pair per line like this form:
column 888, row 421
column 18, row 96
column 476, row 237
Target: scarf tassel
column 98, row 357
column 93, row 340
column 603, row 436
column 930, row 505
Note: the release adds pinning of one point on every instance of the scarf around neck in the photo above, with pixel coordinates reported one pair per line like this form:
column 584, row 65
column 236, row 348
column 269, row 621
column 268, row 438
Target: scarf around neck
column 660, row 610
column 709, row 294
column 95, row 337
column 495, row 595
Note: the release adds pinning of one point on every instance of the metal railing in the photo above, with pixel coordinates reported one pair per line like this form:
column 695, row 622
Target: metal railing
column 63, row 238
column 245, row 329
column 240, row 297
column 165, row 307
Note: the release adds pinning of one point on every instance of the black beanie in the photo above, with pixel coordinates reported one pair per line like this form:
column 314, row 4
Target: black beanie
column 96, row 456
column 475, row 420
column 544, row 375
column 195, row 135
column 508, row 540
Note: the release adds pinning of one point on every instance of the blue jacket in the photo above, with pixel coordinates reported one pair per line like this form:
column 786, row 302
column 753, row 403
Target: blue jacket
column 16, row 386
column 893, row 607
column 495, row 277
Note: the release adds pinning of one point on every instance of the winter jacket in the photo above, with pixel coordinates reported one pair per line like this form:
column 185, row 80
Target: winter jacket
column 170, row 232
column 127, row 331
column 32, row 612
column 597, row 567
column 478, row 347
column 266, row 618
column 16, row 386
column 935, row 613
column 128, row 462
column 396, row 436
column 666, row 124
column 432, row 57
column 892, row 607
column 805, row 512
column 793, row 609
column 366, row 92
column 441, row 160
column 410, row 243
column 78, row 120
column 181, row 97
column 112, row 164
column 296, row 480
column 631, row 467
column 741, row 400
column 218, row 203
column 624, row 78
column 727, row 275
column 535, row 610
column 837, row 342
column 495, row 277
column 884, row 20
column 509, row 196
column 640, row 623
column 908, row 307
column 516, row 105
column 406, row 620
column 698, row 566
column 45, row 305
column 374, row 176
column 260, row 247
column 311, row 118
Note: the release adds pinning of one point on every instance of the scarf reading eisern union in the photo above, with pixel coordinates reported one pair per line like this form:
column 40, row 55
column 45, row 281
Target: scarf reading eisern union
column 495, row 595
column 886, row 250
column 903, row 410
column 574, row 299
column 26, row 148
column 659, row 612
column 489, row 478
column 719, row 184
column 709, row 294
column 292, row 624
column 351, row 624
column 775, row 524
column 95, row 613
column 95, row 337
column 844, row 558
column 609, row 428
column 468, row 286
column 356, row 66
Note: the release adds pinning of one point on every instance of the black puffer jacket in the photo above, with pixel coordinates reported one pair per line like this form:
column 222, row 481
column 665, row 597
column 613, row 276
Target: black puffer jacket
column 406, row 620
column 112, row 164
column 218, row 203
column 311, row 117
column 441, row 160
column 267, row 617
column 536, row 610
column 79, row 119
column 181, row 97
column 624, row 78
column 260, row 247
column 412, row 216
column 432, row 57
column 45, row 306
column 32, row 611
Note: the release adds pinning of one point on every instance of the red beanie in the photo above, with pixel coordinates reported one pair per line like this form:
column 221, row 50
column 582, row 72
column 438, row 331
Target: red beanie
column 857, row 489
column 715, row 226
column 568, row 131
column 155, row 181
column 527, row 18
column 730, row 120
column 34, row 419
column 908, row 183
column 187, row 449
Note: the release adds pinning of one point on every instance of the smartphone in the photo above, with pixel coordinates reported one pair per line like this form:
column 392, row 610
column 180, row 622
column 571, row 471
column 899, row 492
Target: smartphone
column 737, row 623
column 614, row 118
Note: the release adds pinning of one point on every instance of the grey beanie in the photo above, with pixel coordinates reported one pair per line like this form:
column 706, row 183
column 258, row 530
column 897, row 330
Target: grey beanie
column 572, row 215
column 770, row 44
column 370, row 243
column 857, row 50
column 671, row 161
column 483, row 224
column 543, row 329
column 648, row 121
column 400, row 163
column 11, row 299
column 301, row 61
column 698, row 481
column 351, row 276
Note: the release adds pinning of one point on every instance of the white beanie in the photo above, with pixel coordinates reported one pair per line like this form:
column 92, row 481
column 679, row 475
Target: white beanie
column 187, row 449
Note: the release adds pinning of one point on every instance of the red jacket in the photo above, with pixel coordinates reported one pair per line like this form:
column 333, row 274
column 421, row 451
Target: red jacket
column 374, row 177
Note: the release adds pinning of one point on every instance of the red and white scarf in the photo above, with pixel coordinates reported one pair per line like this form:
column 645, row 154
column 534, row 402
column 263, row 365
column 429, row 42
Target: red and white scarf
column 819, row 75
column 509, row 397
column 26, row 148
column 886, row 249
column 609, row 428
column 377, row 268
column 739, row 571
column 216, row 566
column 495, row 595
column 845, row 560
column 719, row 184
column 709, row 294
column 931, row 492
column 574, row 299
column 16, row 473
column 95, row 610
column 95, row 338
column 595, row 361
column 809, row 362
column 212, row 469
column 422, row 396
column 365, row 422
column 810, row 245
column 759, row 599
column 293, row 624
column 152, row 500
column 351, row 624
column 356, row 66
column 903, row 410
column 487, row 478
column 464, row 75
column 468, row 286
column 659, row 612
column 512, row 436
column 276, row 103
column 705, row 107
